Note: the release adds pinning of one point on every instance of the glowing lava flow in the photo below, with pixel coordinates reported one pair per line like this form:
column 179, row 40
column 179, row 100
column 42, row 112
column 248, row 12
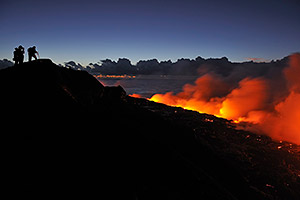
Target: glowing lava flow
column 250, row 101
column 237, row 105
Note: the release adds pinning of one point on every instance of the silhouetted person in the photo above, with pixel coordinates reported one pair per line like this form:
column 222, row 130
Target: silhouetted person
column 19, row 55
column 22, row 52
column 16, row 59
column 32, row 53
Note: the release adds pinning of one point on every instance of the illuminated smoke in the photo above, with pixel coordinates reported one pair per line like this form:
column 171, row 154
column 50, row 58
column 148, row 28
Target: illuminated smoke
column 253, row 100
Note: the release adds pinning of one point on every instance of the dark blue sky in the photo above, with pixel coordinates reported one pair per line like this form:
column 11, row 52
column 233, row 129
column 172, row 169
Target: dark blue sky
column 87, row 31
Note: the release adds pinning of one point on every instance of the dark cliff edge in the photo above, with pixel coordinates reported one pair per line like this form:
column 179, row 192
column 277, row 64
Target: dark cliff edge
column 66, row 135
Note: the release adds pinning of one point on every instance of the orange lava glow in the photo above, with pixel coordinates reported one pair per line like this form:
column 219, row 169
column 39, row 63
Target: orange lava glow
column 135, row 95
column 248, row 102
column 115, row 76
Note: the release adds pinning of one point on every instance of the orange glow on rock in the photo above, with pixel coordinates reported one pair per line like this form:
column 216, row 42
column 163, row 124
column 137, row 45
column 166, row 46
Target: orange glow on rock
column 135, row 95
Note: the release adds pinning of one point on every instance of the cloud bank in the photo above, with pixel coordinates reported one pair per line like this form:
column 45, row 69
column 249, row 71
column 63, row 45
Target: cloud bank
column 183, row 66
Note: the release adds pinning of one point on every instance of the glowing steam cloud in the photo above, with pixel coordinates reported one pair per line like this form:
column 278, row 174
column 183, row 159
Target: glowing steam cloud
column 252, row 100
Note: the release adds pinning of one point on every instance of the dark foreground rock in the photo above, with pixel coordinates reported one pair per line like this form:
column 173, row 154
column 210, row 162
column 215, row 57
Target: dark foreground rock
column 66, row 135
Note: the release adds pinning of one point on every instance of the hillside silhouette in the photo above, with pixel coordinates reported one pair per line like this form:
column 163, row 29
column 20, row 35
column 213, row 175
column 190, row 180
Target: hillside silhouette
column 68, row 135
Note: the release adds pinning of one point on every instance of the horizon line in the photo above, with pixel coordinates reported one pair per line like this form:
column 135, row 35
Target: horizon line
column 247, row 59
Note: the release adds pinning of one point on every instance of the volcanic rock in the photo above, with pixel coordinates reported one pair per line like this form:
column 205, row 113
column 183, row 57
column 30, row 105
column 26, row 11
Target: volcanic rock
column 69, row 136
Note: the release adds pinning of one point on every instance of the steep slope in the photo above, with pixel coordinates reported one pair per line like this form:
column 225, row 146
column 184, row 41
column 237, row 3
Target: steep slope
column 271, row 168
column 68, row 135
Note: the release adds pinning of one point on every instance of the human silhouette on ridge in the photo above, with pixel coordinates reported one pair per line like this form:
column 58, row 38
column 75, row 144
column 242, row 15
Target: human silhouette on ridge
column 32, row 53
column 19, row 55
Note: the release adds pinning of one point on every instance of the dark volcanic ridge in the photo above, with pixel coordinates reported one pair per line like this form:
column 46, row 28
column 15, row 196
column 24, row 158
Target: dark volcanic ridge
column 66, row 134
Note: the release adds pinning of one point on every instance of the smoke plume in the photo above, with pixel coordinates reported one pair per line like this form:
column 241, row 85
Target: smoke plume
column 269, row 103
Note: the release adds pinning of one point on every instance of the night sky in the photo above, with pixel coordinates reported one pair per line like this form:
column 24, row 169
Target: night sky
column 91, row 30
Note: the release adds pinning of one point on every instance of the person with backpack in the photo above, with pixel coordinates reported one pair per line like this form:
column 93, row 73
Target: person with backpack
column 19, row 55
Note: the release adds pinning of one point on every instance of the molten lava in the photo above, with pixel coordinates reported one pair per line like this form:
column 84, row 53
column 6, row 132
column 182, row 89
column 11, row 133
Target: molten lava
column 251, row 100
